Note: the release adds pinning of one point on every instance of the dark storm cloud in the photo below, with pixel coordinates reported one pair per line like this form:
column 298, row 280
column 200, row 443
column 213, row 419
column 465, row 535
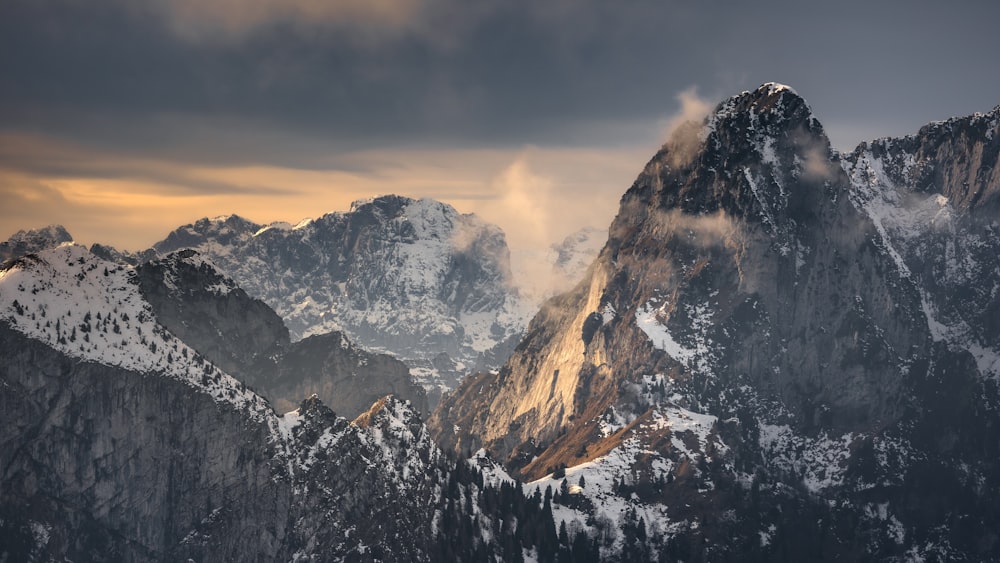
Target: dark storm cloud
column 452, row 73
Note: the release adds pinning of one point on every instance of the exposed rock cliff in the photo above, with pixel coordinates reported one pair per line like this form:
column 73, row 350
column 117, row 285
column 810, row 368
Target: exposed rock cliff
column 750, row 344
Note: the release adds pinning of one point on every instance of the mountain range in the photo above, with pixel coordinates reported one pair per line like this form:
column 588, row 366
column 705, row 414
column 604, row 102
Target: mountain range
column 780, row 352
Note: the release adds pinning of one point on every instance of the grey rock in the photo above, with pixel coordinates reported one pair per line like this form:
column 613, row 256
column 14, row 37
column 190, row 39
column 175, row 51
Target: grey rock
column 413, row 278
column 33, row 240
column 247, row 339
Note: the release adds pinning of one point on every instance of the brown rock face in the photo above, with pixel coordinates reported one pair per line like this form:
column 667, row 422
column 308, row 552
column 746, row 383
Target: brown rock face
column 739, row 245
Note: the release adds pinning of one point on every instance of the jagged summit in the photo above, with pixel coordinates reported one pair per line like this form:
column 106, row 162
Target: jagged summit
column 225, row 229
column 55, row 233
column 815, row 333
column 760, row 155
column 389, row 411
column 773, row 106
column 387, row 202
column 33, row 240
column 422, row 218
column 777, row 87
column 956, row 159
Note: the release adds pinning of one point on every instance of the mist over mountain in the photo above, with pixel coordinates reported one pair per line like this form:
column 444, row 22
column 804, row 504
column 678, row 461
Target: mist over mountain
column 779, row 353
column 412, row 279
column 546, row 272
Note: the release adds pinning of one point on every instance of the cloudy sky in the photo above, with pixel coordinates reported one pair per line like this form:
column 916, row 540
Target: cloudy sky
column 123, row 119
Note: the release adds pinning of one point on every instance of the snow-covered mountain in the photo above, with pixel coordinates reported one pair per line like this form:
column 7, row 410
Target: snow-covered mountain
column 780, row 353
column 577, row 252
column 120, row 442
column 935, row 199
column 414, row 278
column 34, row 240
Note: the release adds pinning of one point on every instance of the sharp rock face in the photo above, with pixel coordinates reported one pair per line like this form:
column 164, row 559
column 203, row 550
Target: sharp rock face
column 935, row 199
column 411, row 277
column 757, row 334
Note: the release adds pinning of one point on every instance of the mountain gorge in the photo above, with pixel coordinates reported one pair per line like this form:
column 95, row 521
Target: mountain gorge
column 779, row 353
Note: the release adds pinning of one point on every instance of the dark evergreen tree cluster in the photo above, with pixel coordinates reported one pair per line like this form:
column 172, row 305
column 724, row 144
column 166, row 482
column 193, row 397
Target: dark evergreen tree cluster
column 483, row 522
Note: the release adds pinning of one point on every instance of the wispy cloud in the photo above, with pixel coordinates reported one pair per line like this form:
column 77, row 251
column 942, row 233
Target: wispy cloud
column 684, row 129
column 693, row 109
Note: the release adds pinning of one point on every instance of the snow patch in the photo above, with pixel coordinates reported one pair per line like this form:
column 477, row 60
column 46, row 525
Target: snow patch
column 646, row 318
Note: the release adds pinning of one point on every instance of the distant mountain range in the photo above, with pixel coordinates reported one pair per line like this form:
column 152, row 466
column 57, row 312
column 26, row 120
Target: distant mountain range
column 779, row 353
column 412, row 278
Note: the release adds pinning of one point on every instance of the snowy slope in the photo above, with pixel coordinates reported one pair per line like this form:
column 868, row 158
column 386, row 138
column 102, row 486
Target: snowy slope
column 91, row 309
column 611, row 482
column 313, row 471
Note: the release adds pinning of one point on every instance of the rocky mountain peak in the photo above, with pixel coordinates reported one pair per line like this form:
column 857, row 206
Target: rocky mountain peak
column 766, row 308
column 388, row 204
column 312, row 413
column 50, row 234
column 773, row 108
column 389, row 412
column 759, row 156
column 719, row 264
column 199, row 270
column 224, row 229
column 33, row 240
